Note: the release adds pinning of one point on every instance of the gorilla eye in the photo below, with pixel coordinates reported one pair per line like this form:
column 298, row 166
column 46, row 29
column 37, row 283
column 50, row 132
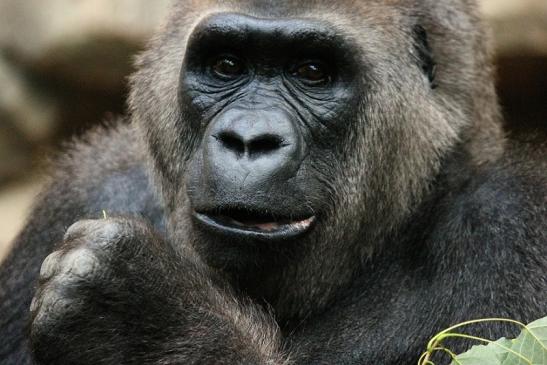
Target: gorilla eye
column 227, row 67
column 314, row 73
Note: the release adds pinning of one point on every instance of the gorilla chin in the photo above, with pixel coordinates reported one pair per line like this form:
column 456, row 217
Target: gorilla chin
column 252, row 225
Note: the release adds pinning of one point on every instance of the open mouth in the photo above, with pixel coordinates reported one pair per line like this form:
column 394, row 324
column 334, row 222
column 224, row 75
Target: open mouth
column 254, row 224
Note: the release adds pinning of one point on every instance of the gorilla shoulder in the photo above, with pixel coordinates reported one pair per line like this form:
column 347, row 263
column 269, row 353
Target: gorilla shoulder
column 507, row 197
column 519, row 178
column 105, row 171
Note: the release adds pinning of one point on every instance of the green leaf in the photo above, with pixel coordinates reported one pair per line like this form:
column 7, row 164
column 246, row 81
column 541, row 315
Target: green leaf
column 500, row 348
column 477, row 355
column 530, row 347
column 532, row 344
column 491, row 354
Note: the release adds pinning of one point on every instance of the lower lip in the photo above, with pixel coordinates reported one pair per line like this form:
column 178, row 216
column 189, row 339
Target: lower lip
column 283, row 232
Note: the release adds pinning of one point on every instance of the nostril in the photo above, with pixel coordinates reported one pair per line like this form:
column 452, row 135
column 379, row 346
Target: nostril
column 264, row 145
column 261, row 145
column 232, row 142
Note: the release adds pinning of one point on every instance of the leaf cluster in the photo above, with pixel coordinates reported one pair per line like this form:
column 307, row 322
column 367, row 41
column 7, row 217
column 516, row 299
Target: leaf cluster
column 529, row 348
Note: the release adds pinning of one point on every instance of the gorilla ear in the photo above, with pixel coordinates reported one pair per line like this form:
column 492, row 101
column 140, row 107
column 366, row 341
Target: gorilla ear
column 425, row 54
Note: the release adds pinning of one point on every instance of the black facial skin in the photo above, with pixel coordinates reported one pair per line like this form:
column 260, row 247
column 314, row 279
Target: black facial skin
column 269, row 94
column 302, row 182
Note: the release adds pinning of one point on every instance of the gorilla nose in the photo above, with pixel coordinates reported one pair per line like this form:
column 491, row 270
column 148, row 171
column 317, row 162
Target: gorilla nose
column 248, row 150
column 251, row 145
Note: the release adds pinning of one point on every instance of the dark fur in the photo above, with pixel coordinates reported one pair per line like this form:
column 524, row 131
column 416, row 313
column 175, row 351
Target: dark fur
column 433, row 217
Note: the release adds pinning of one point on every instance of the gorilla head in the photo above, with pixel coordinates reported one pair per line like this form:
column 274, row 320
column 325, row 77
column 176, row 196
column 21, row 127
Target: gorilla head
column 270, row 95
column 291, row 139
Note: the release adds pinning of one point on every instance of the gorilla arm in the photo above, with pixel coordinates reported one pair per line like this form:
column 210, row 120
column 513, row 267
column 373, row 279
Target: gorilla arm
column 87, row 303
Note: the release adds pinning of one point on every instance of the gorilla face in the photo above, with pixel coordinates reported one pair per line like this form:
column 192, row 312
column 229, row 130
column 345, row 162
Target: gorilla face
column 271, row 101
column 304, row 133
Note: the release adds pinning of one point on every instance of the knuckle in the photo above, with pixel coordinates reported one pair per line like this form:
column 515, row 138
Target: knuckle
column 100, row 233
column 48, row 306
column 81, row 263
column 110, row 230
column 50, row 265
column 35, row 304
column 77, row 229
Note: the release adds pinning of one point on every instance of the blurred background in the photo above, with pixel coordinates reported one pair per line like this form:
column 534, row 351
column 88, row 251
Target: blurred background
column 64, row 66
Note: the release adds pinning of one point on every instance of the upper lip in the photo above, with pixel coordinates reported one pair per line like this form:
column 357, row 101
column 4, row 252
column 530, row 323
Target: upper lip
column 255, row 224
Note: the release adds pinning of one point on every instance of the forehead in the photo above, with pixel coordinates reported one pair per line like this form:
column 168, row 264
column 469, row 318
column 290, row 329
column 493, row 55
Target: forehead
column 289, row 7
column 239, row 25
column 343, row 10
column 269, row 35
column 351, row 18
column 381, row 25
column 349, row 9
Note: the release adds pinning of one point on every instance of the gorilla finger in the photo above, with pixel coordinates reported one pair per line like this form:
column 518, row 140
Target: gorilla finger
column 80, row 263
column 99, row 233
column 50, row 266
column 49, row 309
column 78, row 229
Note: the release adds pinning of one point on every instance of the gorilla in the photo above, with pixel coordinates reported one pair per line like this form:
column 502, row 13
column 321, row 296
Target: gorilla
column 308, row 182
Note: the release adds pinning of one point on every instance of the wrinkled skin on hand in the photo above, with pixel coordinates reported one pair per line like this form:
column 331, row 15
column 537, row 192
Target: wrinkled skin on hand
column 95, row 280
column 138, row 299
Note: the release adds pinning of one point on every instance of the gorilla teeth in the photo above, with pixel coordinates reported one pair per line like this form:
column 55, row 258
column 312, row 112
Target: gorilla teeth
column 274, row 226
column 303, row 224
column 254, row 220
column 267, row 226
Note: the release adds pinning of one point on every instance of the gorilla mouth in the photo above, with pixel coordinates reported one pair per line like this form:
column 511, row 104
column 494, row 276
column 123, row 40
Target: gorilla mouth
column 254, row 224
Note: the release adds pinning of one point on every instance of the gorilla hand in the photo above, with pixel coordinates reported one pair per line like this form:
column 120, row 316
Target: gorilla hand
column 116, row 293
